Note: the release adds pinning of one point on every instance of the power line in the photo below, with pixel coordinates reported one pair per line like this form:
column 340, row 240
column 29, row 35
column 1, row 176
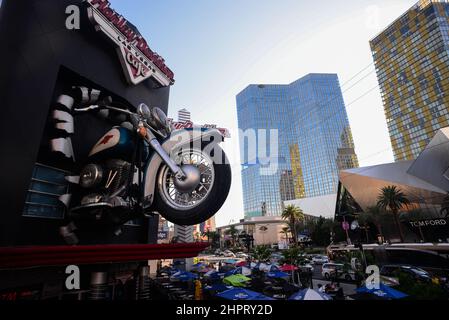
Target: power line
column 361, row 71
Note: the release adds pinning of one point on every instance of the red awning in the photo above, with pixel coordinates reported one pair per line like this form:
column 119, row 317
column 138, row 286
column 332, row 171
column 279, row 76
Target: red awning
column 37, row 256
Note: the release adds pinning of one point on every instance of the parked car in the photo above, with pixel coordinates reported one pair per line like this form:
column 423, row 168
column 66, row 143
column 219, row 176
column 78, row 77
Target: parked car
column 415, row 272
column 241, row 255
column 229, row 254
column 319, row 259
column 330, row 269
column 307, row 267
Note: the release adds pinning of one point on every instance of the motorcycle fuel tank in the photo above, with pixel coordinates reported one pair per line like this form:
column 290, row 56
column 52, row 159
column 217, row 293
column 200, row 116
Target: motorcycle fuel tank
column 117, row 143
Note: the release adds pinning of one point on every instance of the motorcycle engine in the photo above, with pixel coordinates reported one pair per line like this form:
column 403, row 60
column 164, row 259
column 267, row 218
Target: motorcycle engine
column 111, row 178
column 117, row 175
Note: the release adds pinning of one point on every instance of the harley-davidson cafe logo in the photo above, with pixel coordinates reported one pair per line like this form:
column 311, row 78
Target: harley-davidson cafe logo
column 136, row 57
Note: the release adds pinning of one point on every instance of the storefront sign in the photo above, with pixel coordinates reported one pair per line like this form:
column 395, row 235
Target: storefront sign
column 190, row 125
column 428, row 223
column 138, row 60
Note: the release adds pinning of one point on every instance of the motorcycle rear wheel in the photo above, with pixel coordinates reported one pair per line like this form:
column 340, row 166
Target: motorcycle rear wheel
column 201, row 204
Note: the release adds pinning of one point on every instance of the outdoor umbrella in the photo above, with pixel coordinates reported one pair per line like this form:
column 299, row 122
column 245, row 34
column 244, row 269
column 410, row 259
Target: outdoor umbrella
column 199, row 266
column 383, row 291
column 204, row 270
column 246, row 271
column 241, row 264
column 218, row 287
column 236, row 280
column 274, row 268
column 288, row 267
column 214, row 275
column 277, row 274
column 230, row 261
column 310, row 294
column 233, row 271
column 241, row 294
column 185, row 276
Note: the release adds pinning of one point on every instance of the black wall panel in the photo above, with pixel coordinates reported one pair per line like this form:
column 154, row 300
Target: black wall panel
column 36, row 49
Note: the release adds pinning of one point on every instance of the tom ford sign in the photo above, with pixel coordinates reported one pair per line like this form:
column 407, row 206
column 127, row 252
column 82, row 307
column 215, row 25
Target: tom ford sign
column 429, row 223
column 138, row 60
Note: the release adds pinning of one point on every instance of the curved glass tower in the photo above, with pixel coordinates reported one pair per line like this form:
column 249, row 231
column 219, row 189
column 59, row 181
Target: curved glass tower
column 310, row 132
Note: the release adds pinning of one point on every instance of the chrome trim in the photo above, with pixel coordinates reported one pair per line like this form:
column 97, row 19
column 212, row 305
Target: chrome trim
column 66, row 101
column 63, row 146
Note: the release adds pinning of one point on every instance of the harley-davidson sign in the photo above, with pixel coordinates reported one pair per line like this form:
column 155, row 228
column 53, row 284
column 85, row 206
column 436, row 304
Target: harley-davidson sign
column 137, row 59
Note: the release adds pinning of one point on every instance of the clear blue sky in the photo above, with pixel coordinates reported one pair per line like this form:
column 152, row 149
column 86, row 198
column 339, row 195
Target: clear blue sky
column 216, row 48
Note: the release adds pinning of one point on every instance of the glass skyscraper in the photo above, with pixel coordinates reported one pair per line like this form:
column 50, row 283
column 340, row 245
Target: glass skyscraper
column 314, row 141
column 412, row 63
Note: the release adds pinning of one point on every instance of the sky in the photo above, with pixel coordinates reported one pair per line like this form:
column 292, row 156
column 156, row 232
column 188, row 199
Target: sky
column 216, row 48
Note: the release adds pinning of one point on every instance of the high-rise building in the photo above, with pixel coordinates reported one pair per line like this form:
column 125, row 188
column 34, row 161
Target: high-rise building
column 314, row 141
column 411, row 57
column 184, row 115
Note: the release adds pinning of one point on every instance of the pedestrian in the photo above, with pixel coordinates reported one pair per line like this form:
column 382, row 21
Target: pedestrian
column 198, row 290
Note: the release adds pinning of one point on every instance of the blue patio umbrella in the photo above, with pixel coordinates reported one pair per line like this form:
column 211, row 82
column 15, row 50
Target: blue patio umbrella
column 185, row 276
column 277, row 274
column 218, row 287
column 309, row 294
column 383, row 291
column 274, row 268
column 233, row 272
column 263, row 297
column 215, row 275
column 198, row 265
column 230, row 261
column 241, row 294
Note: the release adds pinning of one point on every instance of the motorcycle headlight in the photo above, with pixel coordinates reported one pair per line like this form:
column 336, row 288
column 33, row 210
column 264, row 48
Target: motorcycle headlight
column 91, row 176
column 159, row 119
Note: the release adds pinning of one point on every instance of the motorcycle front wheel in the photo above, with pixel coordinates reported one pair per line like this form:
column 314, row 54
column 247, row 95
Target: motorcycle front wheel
column 191, row 208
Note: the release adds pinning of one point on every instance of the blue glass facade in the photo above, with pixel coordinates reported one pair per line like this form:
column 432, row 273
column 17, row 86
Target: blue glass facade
column 314, row 141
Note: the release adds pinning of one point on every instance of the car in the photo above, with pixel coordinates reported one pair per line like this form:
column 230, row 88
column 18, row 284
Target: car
column 306, row 267
column 417, row 273
column 329, row 270
column 241, row 255
column 229, row 254
column 319, row 259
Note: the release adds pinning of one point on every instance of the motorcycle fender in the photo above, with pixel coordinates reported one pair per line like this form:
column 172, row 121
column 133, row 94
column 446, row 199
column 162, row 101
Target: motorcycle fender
column 177, row 140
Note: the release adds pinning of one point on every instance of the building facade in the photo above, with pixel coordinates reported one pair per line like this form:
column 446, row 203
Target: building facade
column 423, row 182
column 411, row 57
column 184, row 115
column 313, row 141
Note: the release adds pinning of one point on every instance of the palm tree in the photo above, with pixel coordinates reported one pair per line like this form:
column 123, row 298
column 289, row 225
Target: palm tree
column 210, row 235
column 285, row 232
column 394, row 199
column 233, row 232
column 262, row 253
column 372, row 215
column 293, row 215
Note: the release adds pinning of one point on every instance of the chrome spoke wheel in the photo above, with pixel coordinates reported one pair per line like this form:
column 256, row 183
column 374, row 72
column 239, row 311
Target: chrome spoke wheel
column 179, row 200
